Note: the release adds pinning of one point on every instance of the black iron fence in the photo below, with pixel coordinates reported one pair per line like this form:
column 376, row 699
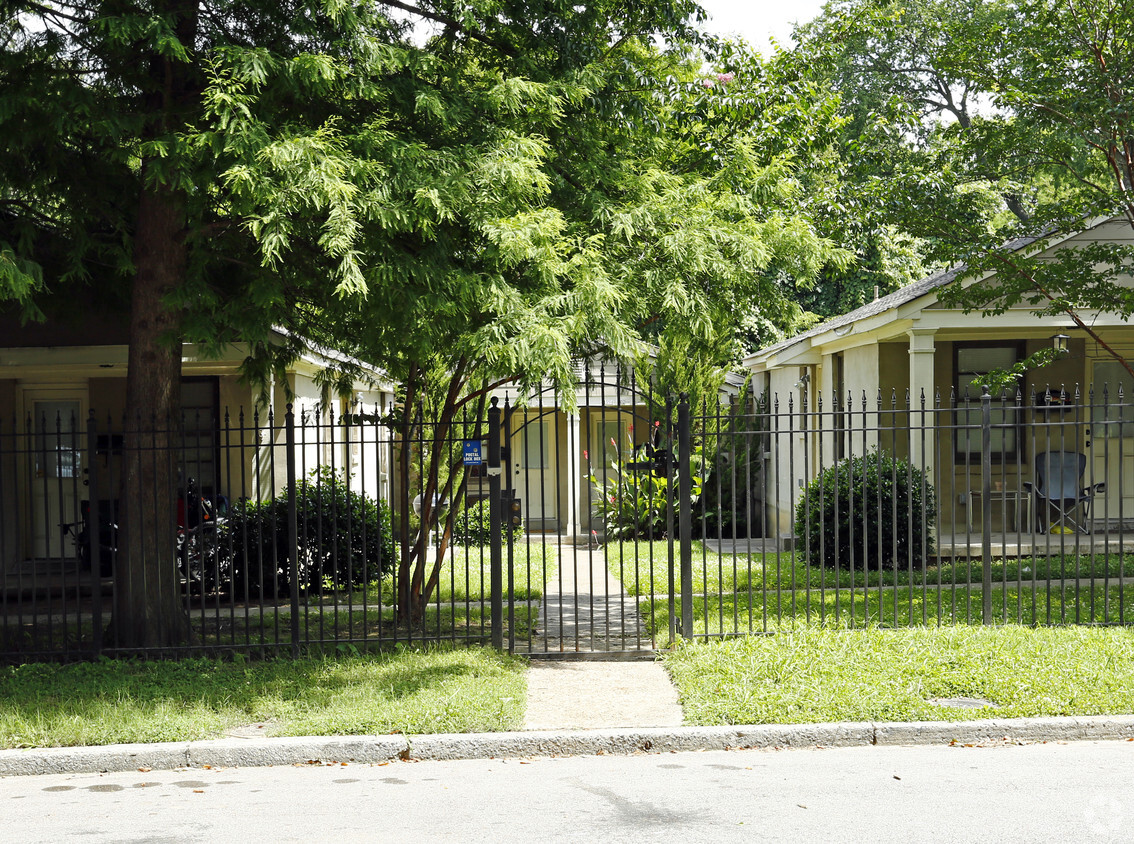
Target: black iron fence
column 617, row 526
column 872, row 510
column 259, row 533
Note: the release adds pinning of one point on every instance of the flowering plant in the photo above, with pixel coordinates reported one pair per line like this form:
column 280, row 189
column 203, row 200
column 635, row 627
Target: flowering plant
column 631, row 497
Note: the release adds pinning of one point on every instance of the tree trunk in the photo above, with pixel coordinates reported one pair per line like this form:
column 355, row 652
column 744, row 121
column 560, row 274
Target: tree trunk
column 148, row 608
column 149, row 612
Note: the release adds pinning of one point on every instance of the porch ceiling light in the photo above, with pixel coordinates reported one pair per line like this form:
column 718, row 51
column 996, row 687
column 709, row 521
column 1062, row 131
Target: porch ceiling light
column 1059, row 343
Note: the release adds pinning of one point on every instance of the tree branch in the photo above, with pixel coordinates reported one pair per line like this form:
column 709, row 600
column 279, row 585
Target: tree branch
column 456, row 26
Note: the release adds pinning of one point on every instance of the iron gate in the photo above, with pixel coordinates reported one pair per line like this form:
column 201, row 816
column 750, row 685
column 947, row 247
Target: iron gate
column 600, row 488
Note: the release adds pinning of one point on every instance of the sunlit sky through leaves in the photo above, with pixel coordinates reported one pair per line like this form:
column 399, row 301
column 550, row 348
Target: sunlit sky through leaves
column 757, row 20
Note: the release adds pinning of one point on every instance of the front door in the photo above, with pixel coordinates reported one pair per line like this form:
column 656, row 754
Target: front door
column 54, row 465
column 1110, row 441
column 534, row 477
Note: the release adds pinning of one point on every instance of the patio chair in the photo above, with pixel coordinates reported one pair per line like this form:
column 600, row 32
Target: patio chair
column 1063, row 504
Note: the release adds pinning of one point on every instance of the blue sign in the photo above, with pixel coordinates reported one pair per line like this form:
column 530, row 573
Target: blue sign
column 473, row 456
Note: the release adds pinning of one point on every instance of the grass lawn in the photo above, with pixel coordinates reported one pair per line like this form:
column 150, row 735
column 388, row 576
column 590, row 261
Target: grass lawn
column 739, row 593
column 465, row 573
column 819, row 675
column 406, row 691
column 644, row 566
column 330, row 625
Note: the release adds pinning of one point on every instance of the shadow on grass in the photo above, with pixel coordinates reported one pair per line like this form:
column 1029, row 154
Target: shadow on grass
column 133, row 700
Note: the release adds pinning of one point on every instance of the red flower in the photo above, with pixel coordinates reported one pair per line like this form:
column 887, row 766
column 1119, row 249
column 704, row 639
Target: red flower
column 585, row 455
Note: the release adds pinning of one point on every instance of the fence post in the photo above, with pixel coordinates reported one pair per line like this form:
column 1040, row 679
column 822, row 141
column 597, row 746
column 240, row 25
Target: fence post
column 685, row 515
column 292, row 528
column 986, row 504
column 94, row 530
column 507, row 496
column 669, row 519
column 495, row 527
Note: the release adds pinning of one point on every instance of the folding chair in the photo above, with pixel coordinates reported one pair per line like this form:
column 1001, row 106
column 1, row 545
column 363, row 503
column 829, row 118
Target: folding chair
column 1063, row 505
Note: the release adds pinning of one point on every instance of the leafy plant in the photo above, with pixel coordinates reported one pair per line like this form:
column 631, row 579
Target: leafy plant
column 868, row 511
column 632, row 498
column 734, row 473
column 344, row 539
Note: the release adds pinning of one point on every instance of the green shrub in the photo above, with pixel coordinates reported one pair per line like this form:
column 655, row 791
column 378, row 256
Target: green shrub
column 344, row 539
column 472, row 527
column 870, row 511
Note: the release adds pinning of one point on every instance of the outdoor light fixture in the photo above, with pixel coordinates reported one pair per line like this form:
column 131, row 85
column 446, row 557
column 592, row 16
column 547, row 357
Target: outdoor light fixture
column 1059, row 343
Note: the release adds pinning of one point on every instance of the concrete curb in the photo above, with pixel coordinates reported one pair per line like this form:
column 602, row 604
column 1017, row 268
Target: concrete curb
column 259, row 752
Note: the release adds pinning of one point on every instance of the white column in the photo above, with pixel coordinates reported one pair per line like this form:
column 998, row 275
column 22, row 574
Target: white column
column 575, row 481
column 922, row 434
column 826, row 398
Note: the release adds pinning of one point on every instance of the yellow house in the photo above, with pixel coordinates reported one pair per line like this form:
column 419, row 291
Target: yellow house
column 898, row 372
column 62, row 404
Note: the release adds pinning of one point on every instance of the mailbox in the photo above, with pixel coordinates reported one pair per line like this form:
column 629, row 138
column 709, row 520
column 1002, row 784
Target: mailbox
column 513, row 509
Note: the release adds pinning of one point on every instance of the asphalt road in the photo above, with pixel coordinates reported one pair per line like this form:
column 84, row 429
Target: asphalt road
column 1078, row 791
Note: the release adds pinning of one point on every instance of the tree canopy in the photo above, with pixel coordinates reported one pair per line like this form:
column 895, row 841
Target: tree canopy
column 972, row 124
column 532, row 180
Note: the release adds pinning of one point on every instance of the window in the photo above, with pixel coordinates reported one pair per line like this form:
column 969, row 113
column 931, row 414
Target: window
column 971, row 361
column 840, row 408
column 200, row 424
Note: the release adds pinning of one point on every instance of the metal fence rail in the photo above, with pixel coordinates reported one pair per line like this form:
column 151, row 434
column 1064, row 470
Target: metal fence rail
column 614, row 527
column 281, row 534
column 873, row 511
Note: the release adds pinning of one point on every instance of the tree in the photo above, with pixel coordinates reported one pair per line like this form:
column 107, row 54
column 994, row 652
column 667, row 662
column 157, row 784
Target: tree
column 1036, row 143
column 512, row 189
column 614, row 220
column 124, row 172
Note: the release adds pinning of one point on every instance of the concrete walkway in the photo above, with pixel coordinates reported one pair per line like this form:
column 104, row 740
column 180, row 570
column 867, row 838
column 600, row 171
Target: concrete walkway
column 596, row 695
column 586, row 610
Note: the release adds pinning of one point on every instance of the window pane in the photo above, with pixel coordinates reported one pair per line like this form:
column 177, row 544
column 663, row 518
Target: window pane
column 536, row 444
column 984, row 359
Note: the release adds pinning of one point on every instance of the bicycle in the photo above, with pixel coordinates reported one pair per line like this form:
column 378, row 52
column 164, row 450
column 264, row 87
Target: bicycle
column 107, row 536
column 199, row 522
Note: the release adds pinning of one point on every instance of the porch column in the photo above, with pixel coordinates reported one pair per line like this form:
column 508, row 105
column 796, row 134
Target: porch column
column 827, row 398
column 574, row 475
column 922, row 433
